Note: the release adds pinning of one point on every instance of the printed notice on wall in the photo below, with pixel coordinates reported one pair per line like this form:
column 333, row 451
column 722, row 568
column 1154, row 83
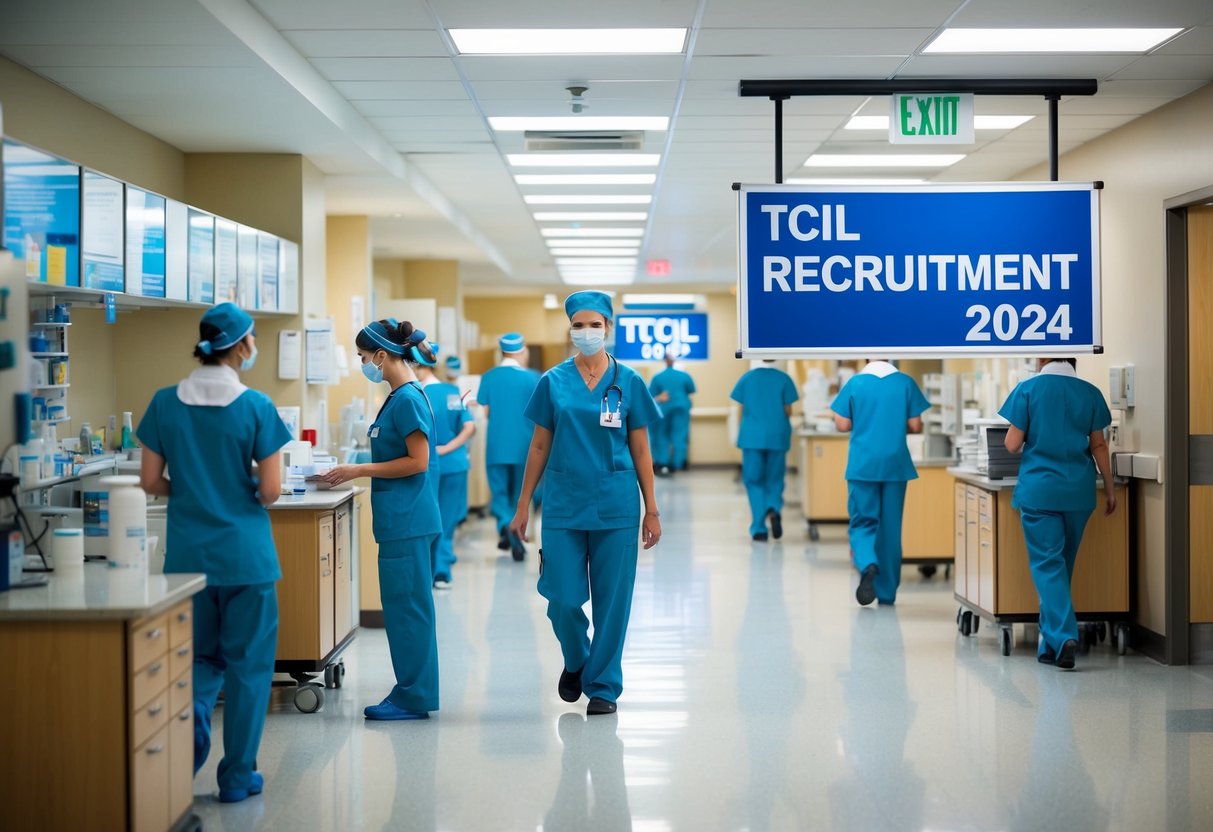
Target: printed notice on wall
column 290, row 354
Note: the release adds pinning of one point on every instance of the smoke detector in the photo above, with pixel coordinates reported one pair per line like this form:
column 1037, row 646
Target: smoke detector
column 576, row 101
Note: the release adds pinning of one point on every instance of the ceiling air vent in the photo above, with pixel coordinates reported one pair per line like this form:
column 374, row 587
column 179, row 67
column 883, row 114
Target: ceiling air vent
column 583, row 140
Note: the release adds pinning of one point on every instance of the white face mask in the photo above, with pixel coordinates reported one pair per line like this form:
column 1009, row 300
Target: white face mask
column 588, row 341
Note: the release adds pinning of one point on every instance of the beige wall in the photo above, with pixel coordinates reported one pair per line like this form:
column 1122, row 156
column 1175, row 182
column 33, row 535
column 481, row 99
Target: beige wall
column 499, row 315
column 93, row 396
column 349, row 275
column 1161, row 155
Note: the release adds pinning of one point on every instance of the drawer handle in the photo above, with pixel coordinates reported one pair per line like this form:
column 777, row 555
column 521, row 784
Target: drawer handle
column 326, row 573
column 184, row 716
column 182, row 684
column 154, row 634
column 183, row 652
column 183, row 617
column 155, row 710
column 155, row 749
column 154, row 669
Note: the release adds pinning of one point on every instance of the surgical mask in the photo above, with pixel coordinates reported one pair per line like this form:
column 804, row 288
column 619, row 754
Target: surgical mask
column 588, row 341
column 247, row 364
column 373, row 373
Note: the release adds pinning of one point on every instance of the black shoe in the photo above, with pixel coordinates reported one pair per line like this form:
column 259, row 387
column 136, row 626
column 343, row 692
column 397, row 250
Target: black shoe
column 776, row 524
column 569, row 686
column 761, row 537
column 503, row 542
column 599, row 707
column 1065, row 656
column 1047, row 657
column 866, row 593
column 517, row 549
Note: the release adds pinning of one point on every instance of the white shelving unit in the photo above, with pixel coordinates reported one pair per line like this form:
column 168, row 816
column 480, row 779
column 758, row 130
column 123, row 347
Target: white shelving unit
column 55, row 358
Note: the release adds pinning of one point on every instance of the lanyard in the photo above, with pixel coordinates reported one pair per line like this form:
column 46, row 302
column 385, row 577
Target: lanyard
column 614, row 385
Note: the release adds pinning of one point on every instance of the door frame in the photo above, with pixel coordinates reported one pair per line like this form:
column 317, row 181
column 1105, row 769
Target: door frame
column 1178, row 642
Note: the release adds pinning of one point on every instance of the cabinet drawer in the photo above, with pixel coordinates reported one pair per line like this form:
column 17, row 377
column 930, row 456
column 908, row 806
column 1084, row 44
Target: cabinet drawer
column 181, row 692
column 150, row 681
column 148, row 641
column 181, row 659
column 181, row 763
column 150, row 784
column 181, row 623
column 150, row 718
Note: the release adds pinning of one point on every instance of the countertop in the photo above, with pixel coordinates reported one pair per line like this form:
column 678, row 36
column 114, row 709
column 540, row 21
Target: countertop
column 973, row 477
column 96, row 592
column 316, row 500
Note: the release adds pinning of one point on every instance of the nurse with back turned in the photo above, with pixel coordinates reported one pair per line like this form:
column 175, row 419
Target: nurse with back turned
column 766, row 395
column 206, row 433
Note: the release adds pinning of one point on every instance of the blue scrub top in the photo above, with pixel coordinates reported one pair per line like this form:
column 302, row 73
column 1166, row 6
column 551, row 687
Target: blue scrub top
column 678, row 384
column 450, row 415
column 1058, row 414
column 404, row 507
column 505, row 391
column 878, row 409
column 216, row 523
column 590, row 480
column 764, row 392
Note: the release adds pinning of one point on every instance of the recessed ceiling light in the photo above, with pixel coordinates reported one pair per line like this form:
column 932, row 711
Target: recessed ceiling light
column 585, row 178
column 851, row 181
column 592, row 232
column 565, row 242
column 592, row 252
column 658, row 300
column 596, row 261
column 584, row 160
column 1048, row 40
column 588, row 199
column 568, row 41
column 883, row 160
column 591, row 216
column 979, row 122
column 550, row 302
column 516, row 124
column 590, row 280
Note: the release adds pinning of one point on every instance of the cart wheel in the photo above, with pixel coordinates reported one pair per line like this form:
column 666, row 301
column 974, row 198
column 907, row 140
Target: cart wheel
column 330, row 680
column 1006, row 640
column 1122, row 639
column 976, row 623
column 339, row 674
column 966, row 623
column 928, row 571
column 309, row 698
column 947, row 572
column 1102, row 629
column 959, row 610
column 814, row 534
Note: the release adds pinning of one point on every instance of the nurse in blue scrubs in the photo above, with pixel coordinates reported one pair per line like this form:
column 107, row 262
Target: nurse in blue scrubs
column 504, row 393
column 454, row 368
column 766, row 395
column 879, row 405
column 404, row 472
column 454, row 428
column 591, row 417
column 672, row 389
column 206, row 433
column 1057, row 422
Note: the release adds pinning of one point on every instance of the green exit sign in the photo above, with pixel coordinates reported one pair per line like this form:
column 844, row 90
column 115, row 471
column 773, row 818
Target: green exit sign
column 932, row 118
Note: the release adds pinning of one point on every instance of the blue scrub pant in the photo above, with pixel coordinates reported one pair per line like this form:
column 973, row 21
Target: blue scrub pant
column 406, row 586
column 599, row 567
column 875, row 531
column 670, row 438
column 763, row 472
column 453, row 506
column 235, row 640
column 1053, row 538
column 659, row 441
column 505, row 485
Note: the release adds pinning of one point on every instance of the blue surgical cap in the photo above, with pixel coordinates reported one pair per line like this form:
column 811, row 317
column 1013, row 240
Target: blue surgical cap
column 378, row 335
column 511, row 342
column 418, row 356
column 233, row 324
column 591, row 300
column 453, row 363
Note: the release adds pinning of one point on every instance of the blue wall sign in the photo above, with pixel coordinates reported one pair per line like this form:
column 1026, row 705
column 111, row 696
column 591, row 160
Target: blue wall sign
column 651, row 337
column 941, row 270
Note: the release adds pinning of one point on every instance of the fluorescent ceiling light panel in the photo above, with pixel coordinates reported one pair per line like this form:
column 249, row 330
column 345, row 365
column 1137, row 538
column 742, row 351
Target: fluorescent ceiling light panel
column 591, row 216
column 584, row 160
column 592, row 232
column 883, row 160
column 569, row 41
column 851, row 181
column 589, row 280
column 597, row 261
column 1020, row 41
column 979, row 122
column 565, row 242
column 657, row 300
column 585, row 178
column 588, row 199
column 518, row 124
column 591, row 252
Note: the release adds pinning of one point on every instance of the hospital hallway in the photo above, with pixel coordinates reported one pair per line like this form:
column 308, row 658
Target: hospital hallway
column 757, row 696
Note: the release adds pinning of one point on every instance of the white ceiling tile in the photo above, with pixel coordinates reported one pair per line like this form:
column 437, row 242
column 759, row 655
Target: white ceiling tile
column 790, row 123
column 1168, row 90
column 1197, row 41
column 422, row 148
column 804, row 14
column 1168, row 68
column 493, row 90
column 407, row 123
column 402, row 138
column 1102, row 14
column 1015, row 66
column 364, row 14
column 809, row 41
column 367, row 43
column 1099, row 105
column 389, row 108
column 563, row 14
column 556, row 103
column 129, row 55
column 794, row 66
column 415, row 90
column 588, row 69
column 386, row 69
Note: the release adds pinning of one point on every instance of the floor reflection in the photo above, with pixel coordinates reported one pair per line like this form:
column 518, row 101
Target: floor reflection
column 592, row 795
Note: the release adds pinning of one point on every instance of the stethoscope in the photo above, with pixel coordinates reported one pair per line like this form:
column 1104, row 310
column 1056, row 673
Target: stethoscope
column 614, row 385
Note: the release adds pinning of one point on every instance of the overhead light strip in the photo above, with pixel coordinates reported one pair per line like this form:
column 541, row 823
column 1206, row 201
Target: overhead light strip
column 583, row 160
column 588, row 199
column 591, row 216
column 1032, row 41
column 592, row 232
column 585, row 178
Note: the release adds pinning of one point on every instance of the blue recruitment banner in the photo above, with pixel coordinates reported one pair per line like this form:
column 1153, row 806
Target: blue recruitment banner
column 933, row 271
column 652, row 337
column 42, row 214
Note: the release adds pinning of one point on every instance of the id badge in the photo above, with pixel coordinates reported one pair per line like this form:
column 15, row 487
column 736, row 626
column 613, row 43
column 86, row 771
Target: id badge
column 373, row 433
column 610, row 419
column 454, row 402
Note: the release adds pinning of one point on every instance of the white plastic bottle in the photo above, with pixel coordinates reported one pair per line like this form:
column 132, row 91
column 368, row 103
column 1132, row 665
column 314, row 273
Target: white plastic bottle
column 127, row 539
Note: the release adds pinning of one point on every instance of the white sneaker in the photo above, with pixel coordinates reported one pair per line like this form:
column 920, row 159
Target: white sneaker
column 442, row 583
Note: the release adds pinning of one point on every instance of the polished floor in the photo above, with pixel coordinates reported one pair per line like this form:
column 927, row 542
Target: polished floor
column 758, row 697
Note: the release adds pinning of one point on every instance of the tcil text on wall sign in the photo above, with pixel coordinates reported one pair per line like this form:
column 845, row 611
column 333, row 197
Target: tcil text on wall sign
column 919, row 270
column 931, row 118
column 653, row 337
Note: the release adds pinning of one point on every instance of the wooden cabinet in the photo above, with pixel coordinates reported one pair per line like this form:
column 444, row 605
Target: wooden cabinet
column 343, row 596
column 960, row 547
column 925, row 532
column 998, row 579
column 823, row 466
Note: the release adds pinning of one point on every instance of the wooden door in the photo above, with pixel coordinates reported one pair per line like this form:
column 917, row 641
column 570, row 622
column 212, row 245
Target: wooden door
column 1200, row 415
